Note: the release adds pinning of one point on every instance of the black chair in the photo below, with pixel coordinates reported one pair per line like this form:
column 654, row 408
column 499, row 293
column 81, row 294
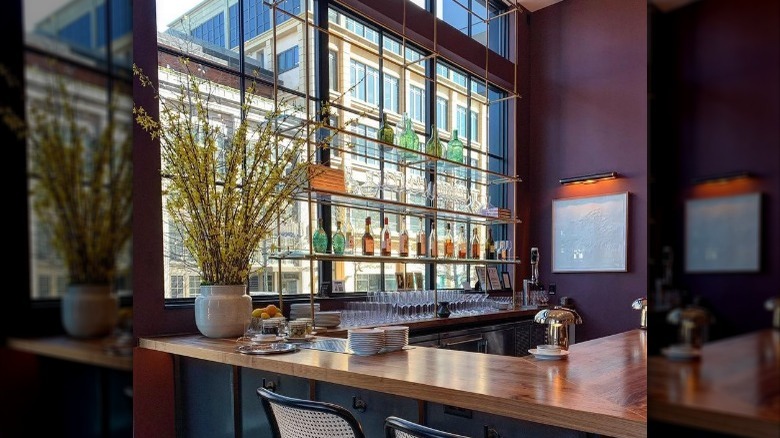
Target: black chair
column 297, row 418
column 396, row 427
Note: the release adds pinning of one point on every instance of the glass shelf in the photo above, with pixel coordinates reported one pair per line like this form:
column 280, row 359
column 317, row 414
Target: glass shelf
column 421, row 161
column 397, row 207
column 299, row 255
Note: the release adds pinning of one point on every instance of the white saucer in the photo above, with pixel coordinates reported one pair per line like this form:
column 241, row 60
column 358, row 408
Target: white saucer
column 266, row 338
column 676, row 352
column 548, row 355
column 308, row 338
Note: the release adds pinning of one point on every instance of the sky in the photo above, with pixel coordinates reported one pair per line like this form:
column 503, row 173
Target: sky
column 168, row 10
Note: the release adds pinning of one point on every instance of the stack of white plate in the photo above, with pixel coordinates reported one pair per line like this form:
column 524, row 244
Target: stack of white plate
column 396, row 337
column 327, row 319
column 365, row 342
column 302, row 310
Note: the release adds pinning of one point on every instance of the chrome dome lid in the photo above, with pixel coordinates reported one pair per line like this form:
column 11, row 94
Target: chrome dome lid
column 558, row 315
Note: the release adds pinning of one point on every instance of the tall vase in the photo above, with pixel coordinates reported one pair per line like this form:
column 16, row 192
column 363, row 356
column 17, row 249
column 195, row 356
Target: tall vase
column 89, row 310
column 223, row 311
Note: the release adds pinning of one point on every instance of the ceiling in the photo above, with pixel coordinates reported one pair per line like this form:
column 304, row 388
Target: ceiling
column 662, row 5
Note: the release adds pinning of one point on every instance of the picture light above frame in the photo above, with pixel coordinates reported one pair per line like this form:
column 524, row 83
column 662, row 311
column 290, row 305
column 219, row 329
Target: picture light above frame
column 589, row 179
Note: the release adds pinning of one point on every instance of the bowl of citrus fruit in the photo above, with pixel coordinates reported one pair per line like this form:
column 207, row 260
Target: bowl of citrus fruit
column 267, row 312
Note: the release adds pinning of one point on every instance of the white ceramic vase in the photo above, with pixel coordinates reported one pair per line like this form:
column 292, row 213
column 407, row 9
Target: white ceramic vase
column 223, row 311
column 89, row 310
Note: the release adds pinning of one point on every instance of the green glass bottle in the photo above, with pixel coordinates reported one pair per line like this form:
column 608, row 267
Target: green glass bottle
column 455, row 148
column 339, row 240
column 385, row 133
column 409, row 139
column 320, row 238
column 434, row 146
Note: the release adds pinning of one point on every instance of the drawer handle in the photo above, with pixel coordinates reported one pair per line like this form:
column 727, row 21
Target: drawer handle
column 462, row 341
column 269, row 385
column 358, row 404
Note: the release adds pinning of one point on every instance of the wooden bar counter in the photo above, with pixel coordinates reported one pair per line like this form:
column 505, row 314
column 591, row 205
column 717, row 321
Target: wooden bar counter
column 733, row 388
column 600, row 388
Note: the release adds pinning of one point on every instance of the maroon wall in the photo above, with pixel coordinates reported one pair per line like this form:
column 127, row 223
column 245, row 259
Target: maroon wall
column 724, row 95
column 588, row 114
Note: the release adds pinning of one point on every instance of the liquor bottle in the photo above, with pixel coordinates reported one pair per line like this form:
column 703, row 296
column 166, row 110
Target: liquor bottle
column 462, row 244
column 386, row 246
column 434, row 146
column 409, row 139
column 455, row 148
column 368, row 239
column 385, row 133
column 433, row 242
column 475, row 244
column 490, row 246
column 320, row 238
column 338, row 240
column 403, row 240
column 533, row 288
column 449, row 245
column 421, row 240
column 349, row 244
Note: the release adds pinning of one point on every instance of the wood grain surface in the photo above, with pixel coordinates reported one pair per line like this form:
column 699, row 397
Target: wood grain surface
column 733, row 388
column 599, row 388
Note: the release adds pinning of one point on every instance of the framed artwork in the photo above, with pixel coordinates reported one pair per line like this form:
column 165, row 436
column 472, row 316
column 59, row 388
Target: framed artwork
column 338, row 286
column 482, row 277
column 589, row 233
column 400, row 281
column 507, row 280
column 409, row 280
column 723, row 234
column 493, row 279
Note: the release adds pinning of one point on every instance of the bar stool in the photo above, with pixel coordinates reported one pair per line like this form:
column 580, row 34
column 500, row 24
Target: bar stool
column 396, row 427
column 298, row 418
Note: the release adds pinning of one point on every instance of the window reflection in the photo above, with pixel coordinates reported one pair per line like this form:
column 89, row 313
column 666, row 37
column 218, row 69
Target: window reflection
column 87, row 45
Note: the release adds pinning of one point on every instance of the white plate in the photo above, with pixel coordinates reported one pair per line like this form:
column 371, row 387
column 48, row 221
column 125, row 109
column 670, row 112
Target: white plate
column 676, row 353
column 548, row 355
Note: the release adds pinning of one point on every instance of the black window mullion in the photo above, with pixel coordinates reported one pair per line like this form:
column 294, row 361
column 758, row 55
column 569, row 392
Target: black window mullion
column 322, row 96
column 430, row 106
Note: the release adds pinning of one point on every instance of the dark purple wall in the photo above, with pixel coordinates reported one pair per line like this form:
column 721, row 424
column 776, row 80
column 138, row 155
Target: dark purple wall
column 724, row 95
column 588, row 113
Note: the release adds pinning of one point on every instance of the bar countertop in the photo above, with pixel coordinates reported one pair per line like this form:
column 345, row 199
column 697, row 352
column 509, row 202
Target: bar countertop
column 733, row 388
column 599, row 388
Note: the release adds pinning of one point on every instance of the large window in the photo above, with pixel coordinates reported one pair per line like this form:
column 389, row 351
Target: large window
column 370, row 72
column 416, row 106
column 287, row 60
column 484, row 21
column 364, row 82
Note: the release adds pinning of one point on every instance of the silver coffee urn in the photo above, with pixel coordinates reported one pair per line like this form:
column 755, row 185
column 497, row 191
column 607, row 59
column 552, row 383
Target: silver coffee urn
column 558, row 319
column 773, row 305
column 641, row 305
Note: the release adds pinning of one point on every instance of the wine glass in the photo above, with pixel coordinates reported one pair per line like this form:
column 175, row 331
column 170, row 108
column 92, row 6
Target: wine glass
column 508, row 247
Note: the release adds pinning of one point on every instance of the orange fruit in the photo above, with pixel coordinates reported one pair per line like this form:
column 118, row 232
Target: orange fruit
column 272, row 310
column 265, row 316
column 257, row 312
